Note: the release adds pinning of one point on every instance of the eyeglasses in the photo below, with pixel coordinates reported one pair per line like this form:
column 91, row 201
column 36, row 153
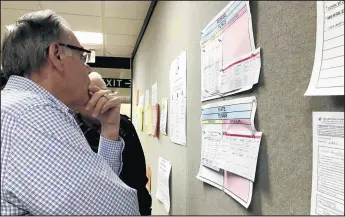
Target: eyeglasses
column 85, row 56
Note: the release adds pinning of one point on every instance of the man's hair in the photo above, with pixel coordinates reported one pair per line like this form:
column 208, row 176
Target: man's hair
column 96, row 75
column 25, row 46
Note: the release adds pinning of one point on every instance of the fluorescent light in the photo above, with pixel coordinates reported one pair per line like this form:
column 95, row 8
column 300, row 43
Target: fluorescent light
column 85, row 38
column 89, row 38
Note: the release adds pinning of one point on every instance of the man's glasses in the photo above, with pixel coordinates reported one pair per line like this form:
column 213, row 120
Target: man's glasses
column 85, row 56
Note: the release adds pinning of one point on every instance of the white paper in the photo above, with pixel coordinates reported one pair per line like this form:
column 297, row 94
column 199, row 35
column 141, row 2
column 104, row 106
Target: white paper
column 237, row 187
column 228, row 36
column 153, row 120
column 147, row 103
column 211, row 177
column 211, row 140
column 164, row 116
column 141, row 102
column 241, row 73
column 163, row 192
column 147, row 98
column 178, row 99
column 211, row 65
column 328, row 72
column 327, row 196
column 230, row 142
column 238, row 154
column 154, row 94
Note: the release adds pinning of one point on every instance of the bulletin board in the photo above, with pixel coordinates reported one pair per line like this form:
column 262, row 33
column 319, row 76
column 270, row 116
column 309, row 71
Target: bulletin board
column 286, row 33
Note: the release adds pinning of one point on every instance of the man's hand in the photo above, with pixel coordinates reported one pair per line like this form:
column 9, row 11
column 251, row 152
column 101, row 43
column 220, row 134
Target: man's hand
column 105, row 107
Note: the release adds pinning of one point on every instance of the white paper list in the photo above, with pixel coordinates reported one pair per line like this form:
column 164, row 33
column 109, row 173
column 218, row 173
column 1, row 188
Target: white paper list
column 178, row 99
column 328, row 164
column 328, row 71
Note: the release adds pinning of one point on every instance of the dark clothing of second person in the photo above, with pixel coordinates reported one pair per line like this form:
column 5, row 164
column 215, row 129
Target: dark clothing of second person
column 133, row 171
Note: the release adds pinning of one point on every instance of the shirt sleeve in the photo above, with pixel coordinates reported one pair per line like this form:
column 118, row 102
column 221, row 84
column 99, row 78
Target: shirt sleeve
column 111, row 151
column 51, row 176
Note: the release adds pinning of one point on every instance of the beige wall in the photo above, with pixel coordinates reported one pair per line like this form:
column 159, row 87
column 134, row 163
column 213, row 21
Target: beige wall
column 285, row 31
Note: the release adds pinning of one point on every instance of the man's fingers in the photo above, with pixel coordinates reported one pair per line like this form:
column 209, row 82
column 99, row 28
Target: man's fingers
column 99, row 106
column 95, row 97
column 93, row 88
column 113, row 103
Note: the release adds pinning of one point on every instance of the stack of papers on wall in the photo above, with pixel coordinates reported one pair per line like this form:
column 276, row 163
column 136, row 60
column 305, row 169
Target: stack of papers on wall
column 230, row 147
column 229, row 61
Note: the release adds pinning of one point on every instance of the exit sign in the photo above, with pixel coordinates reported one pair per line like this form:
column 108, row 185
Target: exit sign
column 117, row 82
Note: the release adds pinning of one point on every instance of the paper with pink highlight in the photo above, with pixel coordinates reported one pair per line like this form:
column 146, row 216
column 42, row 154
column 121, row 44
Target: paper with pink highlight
column 230, row 142
column 236, row 38
column 238, row 188
column 229, row 35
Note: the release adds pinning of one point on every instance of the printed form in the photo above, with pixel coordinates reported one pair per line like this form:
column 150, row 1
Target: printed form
column 327, row 196
column 154, row 94
column 225, row 39
column 230, row 147
column 328, row 72
column 178, row 99
column 163, row 192
column 164, row 116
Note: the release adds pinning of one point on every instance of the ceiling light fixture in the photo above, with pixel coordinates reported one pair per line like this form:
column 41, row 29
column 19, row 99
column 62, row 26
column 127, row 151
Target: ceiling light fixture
column 89, row 38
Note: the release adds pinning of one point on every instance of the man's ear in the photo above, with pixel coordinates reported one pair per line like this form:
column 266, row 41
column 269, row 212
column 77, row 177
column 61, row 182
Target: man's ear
column 54, row 55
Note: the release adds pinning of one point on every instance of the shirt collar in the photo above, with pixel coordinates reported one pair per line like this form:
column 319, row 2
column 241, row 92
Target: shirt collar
column 24, row 84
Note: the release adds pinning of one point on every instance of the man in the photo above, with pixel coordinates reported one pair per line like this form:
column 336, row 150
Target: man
column 133, row 173
column 47, row 166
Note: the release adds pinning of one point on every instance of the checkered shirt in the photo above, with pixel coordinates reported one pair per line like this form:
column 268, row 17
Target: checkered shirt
column 47, row 166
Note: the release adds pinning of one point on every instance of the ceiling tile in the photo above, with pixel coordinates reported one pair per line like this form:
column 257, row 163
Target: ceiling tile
column 91, row 8
column 126, row 9
column 10, row 16
column 83, row 23
column 99, row 52
column 120, row 40
column 118, row 51
column 122, row 26
column 25, row 5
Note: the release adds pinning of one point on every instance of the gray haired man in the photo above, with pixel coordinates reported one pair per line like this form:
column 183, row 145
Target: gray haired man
column 47, row 167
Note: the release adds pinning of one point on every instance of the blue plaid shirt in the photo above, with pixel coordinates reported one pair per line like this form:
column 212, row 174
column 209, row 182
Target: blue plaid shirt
column 47, row 166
